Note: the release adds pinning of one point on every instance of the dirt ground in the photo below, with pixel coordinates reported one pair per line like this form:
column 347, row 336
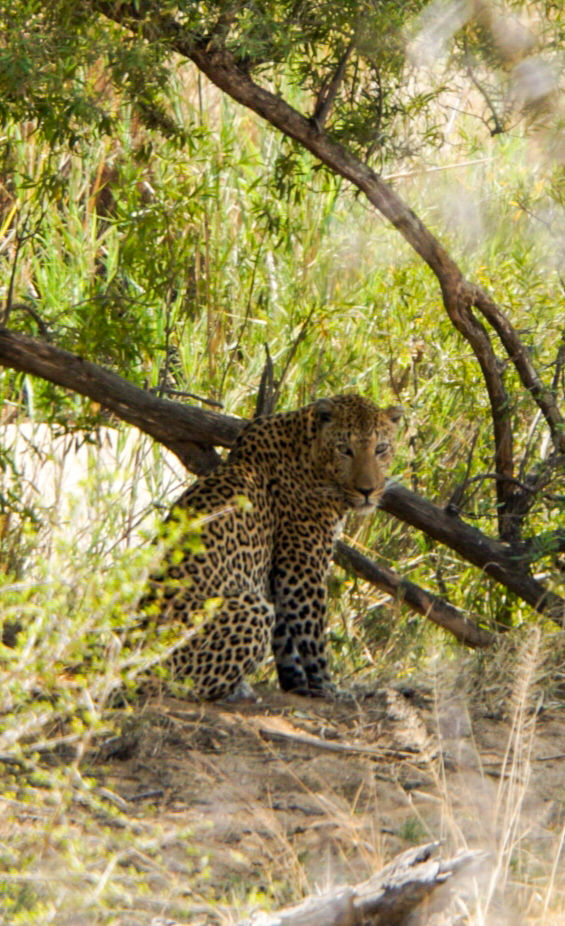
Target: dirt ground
column 261, row 804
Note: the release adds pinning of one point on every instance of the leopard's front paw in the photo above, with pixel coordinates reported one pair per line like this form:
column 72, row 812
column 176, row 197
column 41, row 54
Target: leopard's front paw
column 330, row 692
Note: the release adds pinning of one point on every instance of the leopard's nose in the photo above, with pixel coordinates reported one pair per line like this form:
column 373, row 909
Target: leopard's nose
column 366, row 492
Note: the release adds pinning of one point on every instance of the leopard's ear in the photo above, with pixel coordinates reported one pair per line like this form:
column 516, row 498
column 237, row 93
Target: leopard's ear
column 324, row 410
column 394, row 413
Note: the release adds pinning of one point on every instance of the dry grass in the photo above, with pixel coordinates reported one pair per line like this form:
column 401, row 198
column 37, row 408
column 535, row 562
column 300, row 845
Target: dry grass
column 194, row 813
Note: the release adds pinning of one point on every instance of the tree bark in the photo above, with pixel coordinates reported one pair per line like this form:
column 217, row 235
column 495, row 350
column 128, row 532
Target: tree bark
column 189, row 432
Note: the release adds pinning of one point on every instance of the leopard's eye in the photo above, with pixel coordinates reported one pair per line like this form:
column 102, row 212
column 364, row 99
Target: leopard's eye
column 381, row 448
column 345, row 450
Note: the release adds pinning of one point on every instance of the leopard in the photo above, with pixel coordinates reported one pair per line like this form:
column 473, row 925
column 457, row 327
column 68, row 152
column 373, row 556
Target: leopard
column 268, row 517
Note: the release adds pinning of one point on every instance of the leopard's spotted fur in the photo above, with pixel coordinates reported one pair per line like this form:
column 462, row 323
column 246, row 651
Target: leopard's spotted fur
column 267, row 559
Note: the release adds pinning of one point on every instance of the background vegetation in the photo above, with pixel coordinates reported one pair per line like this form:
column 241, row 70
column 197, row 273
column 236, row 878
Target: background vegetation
column 154, row 226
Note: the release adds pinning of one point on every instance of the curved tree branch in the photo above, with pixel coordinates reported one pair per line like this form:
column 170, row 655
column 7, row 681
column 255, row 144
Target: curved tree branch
column 459, row 296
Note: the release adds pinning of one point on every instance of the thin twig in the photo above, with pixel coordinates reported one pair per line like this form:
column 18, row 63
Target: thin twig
column 329, row 89
column 159, row 390
column 24, row 307
column 268, row 389
column 498, row 127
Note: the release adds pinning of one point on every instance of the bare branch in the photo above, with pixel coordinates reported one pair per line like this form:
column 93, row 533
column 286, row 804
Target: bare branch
column 189, row 432
column 329, row 90
column 498, row 127
column 440, row 612
column 500, row 561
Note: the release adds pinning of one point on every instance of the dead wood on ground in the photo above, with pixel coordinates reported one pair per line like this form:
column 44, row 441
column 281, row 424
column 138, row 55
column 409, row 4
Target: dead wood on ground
column 390, row 897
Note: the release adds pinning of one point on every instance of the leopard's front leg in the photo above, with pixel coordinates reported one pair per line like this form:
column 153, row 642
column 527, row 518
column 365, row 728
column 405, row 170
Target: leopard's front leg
column 299, row 636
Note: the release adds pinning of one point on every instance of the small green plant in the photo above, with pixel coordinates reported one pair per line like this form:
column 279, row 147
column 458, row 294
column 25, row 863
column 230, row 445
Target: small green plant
column 413, row 831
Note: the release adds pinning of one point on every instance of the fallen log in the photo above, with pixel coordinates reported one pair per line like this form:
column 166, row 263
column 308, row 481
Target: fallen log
column 388, row 898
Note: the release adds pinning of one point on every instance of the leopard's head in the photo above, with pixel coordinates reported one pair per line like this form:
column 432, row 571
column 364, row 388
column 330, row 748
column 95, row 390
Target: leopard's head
column 352, row 447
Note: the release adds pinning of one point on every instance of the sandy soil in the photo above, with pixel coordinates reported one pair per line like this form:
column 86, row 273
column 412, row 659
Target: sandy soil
column 261, row 804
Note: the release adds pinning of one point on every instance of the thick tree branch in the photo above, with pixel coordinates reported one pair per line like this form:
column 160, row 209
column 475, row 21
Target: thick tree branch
column 507, row 563
column 189, row 432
